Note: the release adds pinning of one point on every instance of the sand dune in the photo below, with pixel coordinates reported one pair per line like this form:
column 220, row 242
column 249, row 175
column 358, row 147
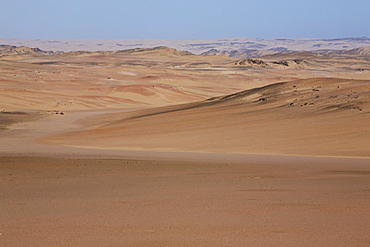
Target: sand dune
column 148, row 77
column 304, row 117
column 211, row 103
column 155, row 147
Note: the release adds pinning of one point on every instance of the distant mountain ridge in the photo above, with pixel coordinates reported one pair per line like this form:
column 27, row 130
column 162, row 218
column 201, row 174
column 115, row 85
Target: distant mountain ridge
column 363, row 51
column 257, row 47
column 244, row 54
column 6, row 50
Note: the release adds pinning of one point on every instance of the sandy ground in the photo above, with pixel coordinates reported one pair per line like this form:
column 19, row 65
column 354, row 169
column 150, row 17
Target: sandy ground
column 129, row 150
column 235, row 201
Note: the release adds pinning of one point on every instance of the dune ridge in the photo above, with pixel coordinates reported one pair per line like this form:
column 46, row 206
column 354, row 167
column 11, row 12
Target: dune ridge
column 309, row 117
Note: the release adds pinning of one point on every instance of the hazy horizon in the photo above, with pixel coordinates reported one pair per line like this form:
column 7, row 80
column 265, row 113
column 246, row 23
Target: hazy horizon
column 274, row 38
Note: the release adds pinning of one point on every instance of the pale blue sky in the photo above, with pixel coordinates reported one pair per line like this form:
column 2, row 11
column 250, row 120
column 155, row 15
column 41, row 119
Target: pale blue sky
column 188, row 19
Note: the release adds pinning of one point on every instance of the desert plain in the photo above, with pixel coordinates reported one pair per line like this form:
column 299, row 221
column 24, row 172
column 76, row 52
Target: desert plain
column 160, row 147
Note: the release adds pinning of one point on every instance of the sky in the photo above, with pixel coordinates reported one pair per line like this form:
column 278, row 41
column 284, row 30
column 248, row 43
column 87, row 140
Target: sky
column 186, row 19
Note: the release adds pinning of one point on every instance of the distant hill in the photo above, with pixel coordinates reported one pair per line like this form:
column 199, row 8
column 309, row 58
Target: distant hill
column 244, row 47
column 6, row 50
column 361, row 51
column 164, row 50
column 245, row 54
column 21, row 50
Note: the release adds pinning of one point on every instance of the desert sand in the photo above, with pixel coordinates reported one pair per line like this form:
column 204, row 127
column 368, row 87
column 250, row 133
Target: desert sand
column 243, row 201
column 159, row 147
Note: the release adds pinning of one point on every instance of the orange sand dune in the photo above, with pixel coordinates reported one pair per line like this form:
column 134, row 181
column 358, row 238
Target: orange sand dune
column 305, row 117
column 148, row 78
column 155, row 148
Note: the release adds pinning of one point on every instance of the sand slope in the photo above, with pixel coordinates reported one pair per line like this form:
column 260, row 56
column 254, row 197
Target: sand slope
column 305, row 117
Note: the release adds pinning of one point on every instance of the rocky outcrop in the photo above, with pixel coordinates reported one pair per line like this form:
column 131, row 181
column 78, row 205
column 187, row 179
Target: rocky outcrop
column 243, row 54
column 22, row 50
column 295, row 63
column 251, row 62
